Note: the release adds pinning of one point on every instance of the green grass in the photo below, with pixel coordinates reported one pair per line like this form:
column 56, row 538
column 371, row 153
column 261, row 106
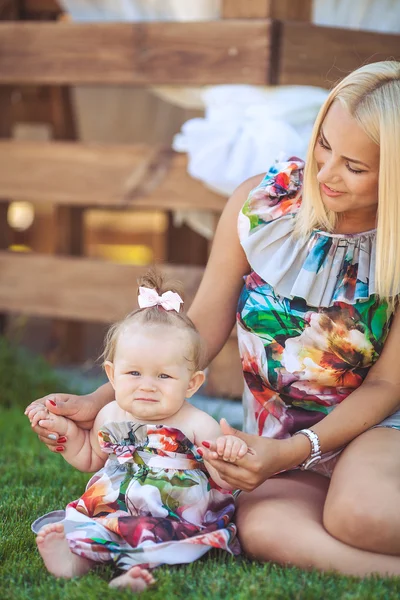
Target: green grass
column 34, row 481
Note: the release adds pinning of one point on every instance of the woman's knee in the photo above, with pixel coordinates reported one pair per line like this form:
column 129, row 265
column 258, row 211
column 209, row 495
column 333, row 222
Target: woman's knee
column 258, row 532
column 354, row 521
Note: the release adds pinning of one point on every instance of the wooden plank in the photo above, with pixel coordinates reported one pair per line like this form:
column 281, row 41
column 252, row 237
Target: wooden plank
column 135, row 53
column 252, row 9
column 9, row 9
column 119, row 176
column 77, row 288
column 291, row 10
column 314, row 55
column 38, row 7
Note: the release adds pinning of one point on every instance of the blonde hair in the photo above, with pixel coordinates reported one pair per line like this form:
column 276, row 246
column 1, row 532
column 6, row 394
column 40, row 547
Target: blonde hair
column 156, row 315
column 371, row 94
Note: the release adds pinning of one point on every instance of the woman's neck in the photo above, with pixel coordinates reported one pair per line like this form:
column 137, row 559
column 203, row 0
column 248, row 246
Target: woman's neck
column 354, row 222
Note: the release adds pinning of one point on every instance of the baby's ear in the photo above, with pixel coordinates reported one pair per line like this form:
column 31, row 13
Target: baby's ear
column 196, row 381
column 109, row 369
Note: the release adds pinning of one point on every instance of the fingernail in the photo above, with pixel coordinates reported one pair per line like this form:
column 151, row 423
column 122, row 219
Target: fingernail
column 52, row 402
column 62, row 439
column 52, row 436
column 200, row 451
column 206, row 444
column 60, row 448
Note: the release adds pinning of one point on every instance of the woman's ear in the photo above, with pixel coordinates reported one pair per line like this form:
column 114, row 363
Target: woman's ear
column 109, row 369
column 196, row 381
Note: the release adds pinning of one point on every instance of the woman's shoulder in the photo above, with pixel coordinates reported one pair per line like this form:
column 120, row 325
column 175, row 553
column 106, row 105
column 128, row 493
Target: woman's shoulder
column 277, row 194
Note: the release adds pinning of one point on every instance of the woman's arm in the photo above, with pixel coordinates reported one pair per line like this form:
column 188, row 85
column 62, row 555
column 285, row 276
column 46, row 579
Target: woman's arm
column 213, row 309
column 377, row 398
column 81, row 409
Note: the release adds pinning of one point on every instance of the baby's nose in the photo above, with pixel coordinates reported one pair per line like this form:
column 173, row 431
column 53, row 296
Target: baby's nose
column 148, row 383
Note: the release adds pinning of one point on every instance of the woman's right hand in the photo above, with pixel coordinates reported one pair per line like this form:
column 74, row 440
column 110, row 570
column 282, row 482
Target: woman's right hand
column 81, row 409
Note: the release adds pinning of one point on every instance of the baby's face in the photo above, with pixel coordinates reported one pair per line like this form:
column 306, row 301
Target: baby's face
column 151, row 375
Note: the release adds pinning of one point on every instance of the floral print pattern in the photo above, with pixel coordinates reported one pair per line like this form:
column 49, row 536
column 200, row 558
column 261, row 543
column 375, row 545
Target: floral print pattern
column 301, row 359
column 152, row 503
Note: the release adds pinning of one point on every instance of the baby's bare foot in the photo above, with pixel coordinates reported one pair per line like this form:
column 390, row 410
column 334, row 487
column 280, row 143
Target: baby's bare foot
column 137, row 579
column 58, row 558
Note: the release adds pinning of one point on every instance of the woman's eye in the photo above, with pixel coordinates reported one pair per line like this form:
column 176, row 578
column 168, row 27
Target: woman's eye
column 356, row 171
column 321, row 143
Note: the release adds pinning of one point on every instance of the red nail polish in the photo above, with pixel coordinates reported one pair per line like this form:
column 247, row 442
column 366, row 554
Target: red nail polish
column 52, row 403
column 60, row 448
column 200, row 451
column 206, row 444
column 62, row 439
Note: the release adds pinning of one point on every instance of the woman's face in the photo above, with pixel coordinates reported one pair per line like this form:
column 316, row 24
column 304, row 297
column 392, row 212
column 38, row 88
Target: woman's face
column 348, row 166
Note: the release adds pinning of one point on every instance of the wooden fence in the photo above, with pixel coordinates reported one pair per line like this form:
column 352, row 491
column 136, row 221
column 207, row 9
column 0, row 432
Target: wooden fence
column 257, row 42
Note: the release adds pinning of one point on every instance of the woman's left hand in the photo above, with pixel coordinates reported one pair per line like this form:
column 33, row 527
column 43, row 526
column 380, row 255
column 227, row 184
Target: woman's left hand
column 265, row 457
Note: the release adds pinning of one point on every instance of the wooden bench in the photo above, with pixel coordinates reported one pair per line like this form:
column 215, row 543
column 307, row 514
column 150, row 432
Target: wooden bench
column 254, row 43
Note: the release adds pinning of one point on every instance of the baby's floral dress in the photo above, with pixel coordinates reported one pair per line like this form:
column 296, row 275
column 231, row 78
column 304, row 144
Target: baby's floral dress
column 309, row 323
column 152, row 503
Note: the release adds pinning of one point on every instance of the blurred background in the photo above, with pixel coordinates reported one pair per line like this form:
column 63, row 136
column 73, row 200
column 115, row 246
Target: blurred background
column 126, row 124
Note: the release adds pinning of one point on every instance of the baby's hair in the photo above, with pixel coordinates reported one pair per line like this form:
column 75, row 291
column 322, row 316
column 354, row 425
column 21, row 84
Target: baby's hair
column 157, row 315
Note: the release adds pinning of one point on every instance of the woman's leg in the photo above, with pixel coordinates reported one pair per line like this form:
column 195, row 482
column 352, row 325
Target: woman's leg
column 283, row 519
column 362, row 504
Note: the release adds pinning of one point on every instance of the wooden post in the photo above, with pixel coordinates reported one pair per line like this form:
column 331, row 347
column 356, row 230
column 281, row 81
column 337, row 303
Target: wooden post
column 67, row 336
column 9, row 10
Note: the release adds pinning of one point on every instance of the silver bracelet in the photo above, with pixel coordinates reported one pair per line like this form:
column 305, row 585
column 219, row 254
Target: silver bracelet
column 315, row 455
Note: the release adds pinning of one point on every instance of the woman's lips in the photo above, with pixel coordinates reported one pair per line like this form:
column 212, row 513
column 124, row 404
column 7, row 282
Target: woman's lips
column 329, row 192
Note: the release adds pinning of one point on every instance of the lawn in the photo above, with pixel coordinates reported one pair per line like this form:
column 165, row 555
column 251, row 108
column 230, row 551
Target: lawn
column 34, row 481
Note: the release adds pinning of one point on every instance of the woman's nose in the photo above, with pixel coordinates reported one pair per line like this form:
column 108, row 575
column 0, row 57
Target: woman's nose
column 327, row 172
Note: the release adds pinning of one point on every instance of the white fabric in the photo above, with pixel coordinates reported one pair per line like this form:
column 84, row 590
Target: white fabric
column 244, row 129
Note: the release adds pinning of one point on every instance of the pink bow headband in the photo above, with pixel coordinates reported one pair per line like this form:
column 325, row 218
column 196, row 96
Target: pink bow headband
column 168, row 300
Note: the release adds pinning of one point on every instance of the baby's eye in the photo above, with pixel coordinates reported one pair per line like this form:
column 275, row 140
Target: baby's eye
column 164, row 376
column 134, row 373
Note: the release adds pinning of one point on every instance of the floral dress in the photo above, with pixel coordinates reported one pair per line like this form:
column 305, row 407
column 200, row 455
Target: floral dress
column 152, row 503
column 309, row 323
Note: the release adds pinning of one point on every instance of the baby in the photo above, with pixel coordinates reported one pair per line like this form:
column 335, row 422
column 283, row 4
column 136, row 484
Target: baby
column 153, row 499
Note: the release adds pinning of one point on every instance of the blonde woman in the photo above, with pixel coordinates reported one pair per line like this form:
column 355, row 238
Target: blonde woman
column 318, row 336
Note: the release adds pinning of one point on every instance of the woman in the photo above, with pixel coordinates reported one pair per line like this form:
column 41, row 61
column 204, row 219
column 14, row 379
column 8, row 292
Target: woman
column 319, row 361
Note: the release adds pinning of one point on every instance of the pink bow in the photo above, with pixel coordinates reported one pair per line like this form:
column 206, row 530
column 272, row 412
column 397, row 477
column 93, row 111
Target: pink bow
column 168, row 300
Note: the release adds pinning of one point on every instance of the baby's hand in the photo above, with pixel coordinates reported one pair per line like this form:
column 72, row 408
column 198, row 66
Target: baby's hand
column 228, row 447
column 47, row 420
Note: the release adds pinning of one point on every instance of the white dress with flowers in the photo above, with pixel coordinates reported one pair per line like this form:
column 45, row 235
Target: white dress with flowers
column 152, row 503
column 309, row 323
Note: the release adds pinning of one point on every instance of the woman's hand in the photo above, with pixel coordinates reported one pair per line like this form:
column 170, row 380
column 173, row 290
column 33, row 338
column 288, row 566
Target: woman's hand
column 81, row 409
column 265, row 457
